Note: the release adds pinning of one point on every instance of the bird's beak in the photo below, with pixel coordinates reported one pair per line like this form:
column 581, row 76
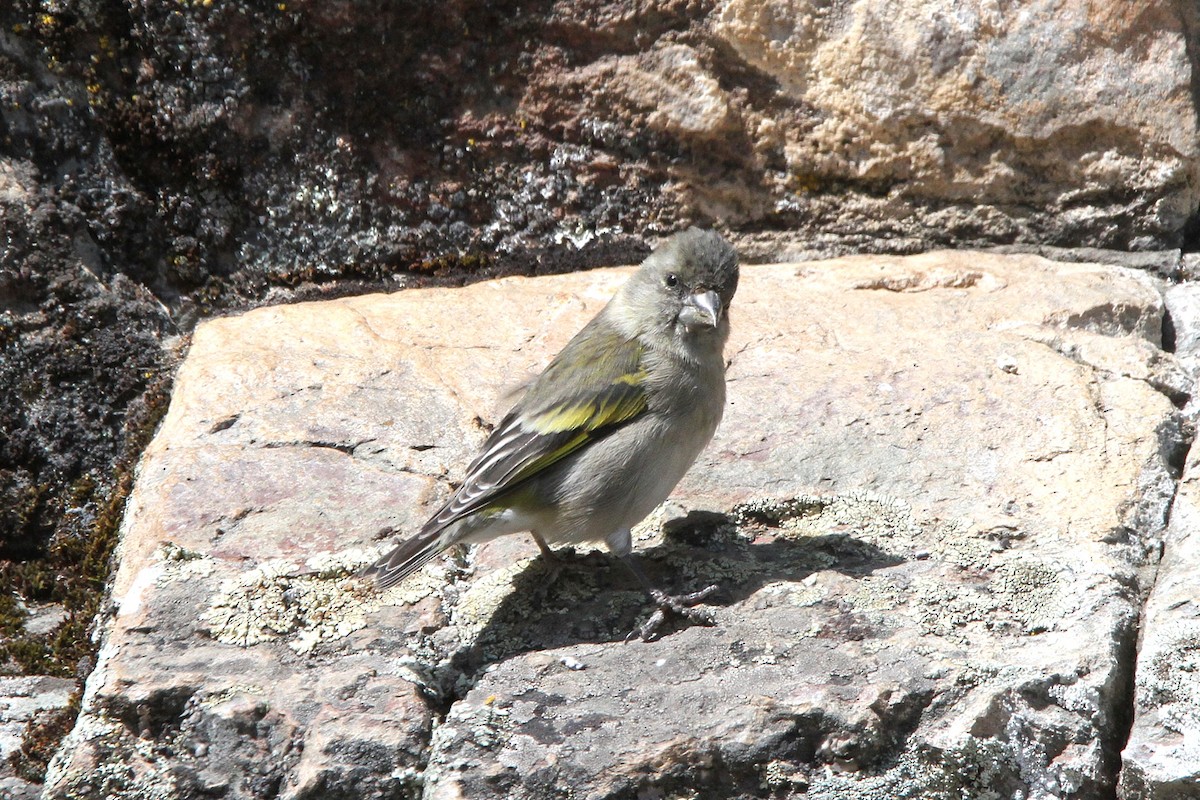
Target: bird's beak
column 701, row 310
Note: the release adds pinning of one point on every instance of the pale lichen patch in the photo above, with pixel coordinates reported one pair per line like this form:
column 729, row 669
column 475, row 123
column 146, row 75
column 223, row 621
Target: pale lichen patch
column 271, row 602
column 997, row 586
column 177, row 563
column 478, row 604
column 1170, row 677
column 231, row 692
column 320, row 602
column 880, row 520
column 111, row 777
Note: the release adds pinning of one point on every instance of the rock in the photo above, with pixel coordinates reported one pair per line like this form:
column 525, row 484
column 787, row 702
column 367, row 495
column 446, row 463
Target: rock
column 44, row 619
column 976, row 105
column 1183, row 330
column 1183, row 306
column 1164, row 263
column 17, row 789
column 26, row 701
column 669, row 88
column 1162, row 759
column 844, row 126
column 289, row 161
column 926, row 507
column 1189, row 267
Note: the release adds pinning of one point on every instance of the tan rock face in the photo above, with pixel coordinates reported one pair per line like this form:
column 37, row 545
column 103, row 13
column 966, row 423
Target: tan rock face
column 1162, row 757
column 974, row 101
column 926, row 505
column 670, row 87
column 868, row 125
column 1029, row 67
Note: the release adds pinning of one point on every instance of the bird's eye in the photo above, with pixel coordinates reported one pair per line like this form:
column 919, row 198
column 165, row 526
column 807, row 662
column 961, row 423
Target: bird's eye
column 672, row 280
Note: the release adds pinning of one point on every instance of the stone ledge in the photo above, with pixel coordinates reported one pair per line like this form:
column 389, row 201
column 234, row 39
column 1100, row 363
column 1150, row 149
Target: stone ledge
column 927, row 505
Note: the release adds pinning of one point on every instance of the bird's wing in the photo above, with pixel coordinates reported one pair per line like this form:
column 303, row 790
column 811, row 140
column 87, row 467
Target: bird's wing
column 597, row 383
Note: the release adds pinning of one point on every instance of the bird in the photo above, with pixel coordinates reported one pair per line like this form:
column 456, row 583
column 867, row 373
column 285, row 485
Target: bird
column 601, row 437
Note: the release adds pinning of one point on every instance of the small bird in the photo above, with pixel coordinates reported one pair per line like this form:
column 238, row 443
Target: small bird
column 602, row 436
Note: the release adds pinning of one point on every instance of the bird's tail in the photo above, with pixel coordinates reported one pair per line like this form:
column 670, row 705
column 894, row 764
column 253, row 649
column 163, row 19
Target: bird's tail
column 406, row 559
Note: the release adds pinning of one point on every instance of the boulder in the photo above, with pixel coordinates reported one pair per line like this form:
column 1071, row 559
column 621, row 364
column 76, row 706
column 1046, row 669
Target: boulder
column 1162, row 758
column 27, row 701
column 927, row 508
column 984, row 107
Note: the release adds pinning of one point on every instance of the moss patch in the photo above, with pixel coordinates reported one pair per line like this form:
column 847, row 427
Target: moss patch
column 41, row 738
column 73, row 574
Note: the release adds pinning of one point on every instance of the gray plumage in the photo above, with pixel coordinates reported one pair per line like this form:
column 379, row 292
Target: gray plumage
column 602, row 436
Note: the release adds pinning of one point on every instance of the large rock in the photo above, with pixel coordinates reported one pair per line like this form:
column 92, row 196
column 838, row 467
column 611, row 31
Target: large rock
column 1162, row 758
column 843, row 125
column 25, row 702
column 986, row 108
column 314, row 148
column 926, row 506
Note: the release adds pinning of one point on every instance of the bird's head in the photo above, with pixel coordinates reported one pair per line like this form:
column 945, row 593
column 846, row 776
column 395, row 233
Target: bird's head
column 684, row 288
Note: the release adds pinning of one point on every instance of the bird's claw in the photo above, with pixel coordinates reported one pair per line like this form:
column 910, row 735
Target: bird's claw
column 551, row 567
column 678, row 605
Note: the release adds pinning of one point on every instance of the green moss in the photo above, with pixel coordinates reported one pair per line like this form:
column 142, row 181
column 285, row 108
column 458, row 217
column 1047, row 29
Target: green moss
column 443, row 266
column 73, row 574
column 42, row 735
column 25, row 506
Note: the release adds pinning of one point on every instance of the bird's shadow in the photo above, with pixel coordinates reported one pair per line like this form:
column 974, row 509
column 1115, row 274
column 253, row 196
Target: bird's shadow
column 594, row 598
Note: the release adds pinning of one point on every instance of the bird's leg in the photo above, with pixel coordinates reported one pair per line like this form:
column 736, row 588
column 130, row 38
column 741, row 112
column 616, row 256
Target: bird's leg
column 680, row 605
column 547, row 553
column 554, row 564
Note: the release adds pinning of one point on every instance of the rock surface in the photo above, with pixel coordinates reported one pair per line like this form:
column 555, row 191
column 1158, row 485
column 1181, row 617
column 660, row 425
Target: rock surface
column 316, row 148
column 927, row 506
column 979, row 105
column 24, row 701
column 288, row 160
column 1162, row 759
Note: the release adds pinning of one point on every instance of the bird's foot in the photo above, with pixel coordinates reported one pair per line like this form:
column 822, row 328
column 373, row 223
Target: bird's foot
column 681, row 605
column 555, row 561
column 552, row 565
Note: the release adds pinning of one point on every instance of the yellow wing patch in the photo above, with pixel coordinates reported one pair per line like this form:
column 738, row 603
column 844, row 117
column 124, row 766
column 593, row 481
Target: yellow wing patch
column 621, row 400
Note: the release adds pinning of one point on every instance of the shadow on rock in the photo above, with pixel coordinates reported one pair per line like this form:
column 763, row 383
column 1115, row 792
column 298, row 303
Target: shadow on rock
column 595, row 598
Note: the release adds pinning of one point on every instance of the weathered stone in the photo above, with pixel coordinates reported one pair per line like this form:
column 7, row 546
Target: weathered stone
column 926, row 506
column 22, row 698
column 980, row 644
column 668, row 87
column 1183, row 305
column 1162, row 758
column 44, row 619
column 974, row 103
column 311, row 149
column 1182, row 302
column 25, row 701
column 1165, row 263
column 1189, row 267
